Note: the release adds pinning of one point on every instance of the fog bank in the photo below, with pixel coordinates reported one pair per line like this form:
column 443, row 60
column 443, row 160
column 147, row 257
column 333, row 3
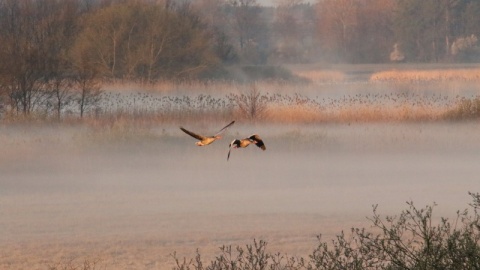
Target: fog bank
column 68, row 194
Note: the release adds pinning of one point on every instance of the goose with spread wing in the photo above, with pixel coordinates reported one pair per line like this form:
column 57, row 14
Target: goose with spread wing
column 255, row 139
column 206, row 140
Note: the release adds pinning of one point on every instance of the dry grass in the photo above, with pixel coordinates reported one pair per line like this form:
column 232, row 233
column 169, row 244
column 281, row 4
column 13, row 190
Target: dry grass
column 401, row 113
column 387, row 95
column 134, row 114
column 404, row 94
column 437, row 75
column 464, row 109
column 292, row 114
column 362, row 114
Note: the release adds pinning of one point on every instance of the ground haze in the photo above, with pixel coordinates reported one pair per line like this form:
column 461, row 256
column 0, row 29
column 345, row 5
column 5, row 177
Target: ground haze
column 68, row 193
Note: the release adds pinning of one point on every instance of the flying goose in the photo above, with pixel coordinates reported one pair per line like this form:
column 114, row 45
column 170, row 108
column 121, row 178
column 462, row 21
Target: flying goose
column 246, row 142
column 206, row 140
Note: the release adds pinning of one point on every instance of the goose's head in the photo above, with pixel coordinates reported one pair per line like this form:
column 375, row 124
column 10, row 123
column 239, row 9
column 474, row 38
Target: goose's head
column 235, row 143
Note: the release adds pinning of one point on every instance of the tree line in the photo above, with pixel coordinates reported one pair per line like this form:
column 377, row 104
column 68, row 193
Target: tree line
column 54, row 52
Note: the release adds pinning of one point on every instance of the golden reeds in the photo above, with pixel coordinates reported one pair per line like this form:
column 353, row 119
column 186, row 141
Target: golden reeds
column 436, row 75
column 282, row 108
column 388, row 96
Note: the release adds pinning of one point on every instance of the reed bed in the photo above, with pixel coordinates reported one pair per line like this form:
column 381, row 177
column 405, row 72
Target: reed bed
column 437, row 75
column 288, row 108
column 448, row 94
column 364, row 108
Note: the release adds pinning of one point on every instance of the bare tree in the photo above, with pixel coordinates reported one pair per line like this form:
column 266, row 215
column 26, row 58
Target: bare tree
column 104, row 34
column 338, row 19
column 86, row 74
column 63, row 17
column 250, row 31
column 293, row 31
column 245, row 17
column 214, row 15
column 252, row 104
column 35, row 36
column 88, row 93
column 160, row 33
column 21, row 55
column 147, row 41
column 88, row 88
column 61, row 94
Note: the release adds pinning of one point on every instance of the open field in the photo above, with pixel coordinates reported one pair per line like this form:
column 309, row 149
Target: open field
column 68, row 193
column 124, row 188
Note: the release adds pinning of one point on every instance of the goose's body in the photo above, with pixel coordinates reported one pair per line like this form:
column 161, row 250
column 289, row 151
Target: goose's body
column 206, row 140
column 255, row 139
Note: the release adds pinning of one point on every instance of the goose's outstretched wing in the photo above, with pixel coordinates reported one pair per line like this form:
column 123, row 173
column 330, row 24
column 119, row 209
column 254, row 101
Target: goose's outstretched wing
column 232, row 144
column 257, row 141
column 194, row 135
column 224, row 128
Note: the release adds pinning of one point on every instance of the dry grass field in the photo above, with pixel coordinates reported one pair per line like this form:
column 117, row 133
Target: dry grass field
column 343, row 94
column 428, row 75
column 125, row 188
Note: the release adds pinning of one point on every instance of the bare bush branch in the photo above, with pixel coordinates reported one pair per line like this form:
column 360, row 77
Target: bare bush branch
column 252, row 105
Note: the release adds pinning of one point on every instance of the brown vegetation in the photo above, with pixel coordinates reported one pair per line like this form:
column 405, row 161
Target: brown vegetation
column 56, row 53
column 169, row 102
column 414, row 239
column 437, row 75
column 411, row 240
column 396, row 100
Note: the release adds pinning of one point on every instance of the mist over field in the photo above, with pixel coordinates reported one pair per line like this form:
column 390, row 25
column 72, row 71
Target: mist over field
column 70, row 194
column 359, row 103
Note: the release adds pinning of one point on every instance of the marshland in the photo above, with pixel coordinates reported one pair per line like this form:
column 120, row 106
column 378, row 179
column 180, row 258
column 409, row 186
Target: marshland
column 126, row 188
column 371, row 132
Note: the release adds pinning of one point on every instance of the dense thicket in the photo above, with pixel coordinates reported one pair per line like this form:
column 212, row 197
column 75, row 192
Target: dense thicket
column 53, row 52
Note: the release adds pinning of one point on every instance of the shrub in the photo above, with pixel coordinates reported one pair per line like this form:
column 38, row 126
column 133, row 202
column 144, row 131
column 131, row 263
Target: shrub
column 252, row 105
column 465, row 109
column 412, row 240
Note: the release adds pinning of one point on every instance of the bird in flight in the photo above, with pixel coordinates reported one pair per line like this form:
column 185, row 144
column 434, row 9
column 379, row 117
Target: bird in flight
column 206, row 140
column 255, row 139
